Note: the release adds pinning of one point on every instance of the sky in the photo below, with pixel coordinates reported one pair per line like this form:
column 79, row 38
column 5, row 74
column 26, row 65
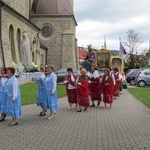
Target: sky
column 112, row 19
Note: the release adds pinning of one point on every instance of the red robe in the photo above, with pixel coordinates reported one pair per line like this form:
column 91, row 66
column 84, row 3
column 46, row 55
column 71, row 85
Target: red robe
column 71, row 93
column 117, row 85
column 83, row 92
column 94, row 88
column 107, row 89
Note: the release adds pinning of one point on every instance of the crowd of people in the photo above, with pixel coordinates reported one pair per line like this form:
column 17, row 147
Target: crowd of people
column 93, row 86
column 82, row 90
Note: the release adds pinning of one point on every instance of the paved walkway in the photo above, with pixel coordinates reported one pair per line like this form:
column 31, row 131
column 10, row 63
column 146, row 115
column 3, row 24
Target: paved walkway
column 126, row 126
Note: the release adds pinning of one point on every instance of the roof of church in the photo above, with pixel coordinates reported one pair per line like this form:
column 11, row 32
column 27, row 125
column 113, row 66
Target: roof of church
column 52, row 7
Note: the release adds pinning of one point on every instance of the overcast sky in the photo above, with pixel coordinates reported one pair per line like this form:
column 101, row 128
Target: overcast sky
column 111, row 18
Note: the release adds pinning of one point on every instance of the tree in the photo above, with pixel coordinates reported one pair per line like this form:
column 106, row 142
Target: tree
column 142, row 61
column 132, row 44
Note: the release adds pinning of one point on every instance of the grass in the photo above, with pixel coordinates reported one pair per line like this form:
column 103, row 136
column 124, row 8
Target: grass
column 29, row 91
column 142, row 94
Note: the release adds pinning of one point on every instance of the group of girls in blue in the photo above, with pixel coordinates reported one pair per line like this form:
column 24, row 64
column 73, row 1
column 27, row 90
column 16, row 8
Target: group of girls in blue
column 10, row 102
column 47, row 94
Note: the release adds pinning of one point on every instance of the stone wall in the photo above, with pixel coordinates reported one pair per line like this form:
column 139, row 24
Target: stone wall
column 21, row 6
column 10, row 18
column 61, row 45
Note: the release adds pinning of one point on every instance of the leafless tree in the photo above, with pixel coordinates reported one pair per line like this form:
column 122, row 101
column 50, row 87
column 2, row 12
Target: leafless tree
column 132, row 45
column 133, row 41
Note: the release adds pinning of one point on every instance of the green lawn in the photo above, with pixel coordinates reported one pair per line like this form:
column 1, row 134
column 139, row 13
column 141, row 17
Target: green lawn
column 29, row 91
column 142, row 94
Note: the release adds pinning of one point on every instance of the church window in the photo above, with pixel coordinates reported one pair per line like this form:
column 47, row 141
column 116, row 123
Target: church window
column 47, row 31
column 12, row 44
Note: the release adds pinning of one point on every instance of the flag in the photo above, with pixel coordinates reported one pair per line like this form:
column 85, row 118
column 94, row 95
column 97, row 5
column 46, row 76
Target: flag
column 122, row 52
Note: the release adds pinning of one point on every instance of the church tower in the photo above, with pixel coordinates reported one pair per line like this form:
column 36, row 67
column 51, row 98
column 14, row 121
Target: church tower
column 56, row 20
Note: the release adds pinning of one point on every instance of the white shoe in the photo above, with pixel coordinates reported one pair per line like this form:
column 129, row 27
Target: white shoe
column 50, row 118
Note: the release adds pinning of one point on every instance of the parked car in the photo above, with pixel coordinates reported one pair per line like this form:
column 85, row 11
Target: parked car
column 130, row 76
column 143, row 78
column 61, row 73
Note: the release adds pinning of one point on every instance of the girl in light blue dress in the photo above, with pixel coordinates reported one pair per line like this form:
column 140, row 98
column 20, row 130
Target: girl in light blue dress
column 41, row 95
column 3, row 81
column 51, row 93
column 12, row 89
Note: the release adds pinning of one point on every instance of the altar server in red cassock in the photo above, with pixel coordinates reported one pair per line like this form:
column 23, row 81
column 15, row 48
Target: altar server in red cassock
column 107, row 83
column 94, row 86
column 83, row 91
column 70, row 81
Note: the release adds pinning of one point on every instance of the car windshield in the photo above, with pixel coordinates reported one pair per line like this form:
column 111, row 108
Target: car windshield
column 61, row 71
column 128, row 71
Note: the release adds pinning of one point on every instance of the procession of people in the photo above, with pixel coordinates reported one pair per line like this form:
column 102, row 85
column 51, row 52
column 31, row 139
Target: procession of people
column 93, row 86
column 10, row 100
column 84, row 90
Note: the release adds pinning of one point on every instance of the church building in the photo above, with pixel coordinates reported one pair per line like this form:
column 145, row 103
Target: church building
column 50, row 27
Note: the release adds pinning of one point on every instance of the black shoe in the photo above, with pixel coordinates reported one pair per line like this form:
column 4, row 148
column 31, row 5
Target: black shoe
column 85, row 109
column 42, row 114
column 3, row 119
column 98, row 103
column 93, row 105
column 79, row 110
column 13, row 124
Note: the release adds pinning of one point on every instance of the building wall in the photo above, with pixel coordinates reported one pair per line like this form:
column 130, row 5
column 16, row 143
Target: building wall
column 21, row 6
column 11, row 19
column 61, row 45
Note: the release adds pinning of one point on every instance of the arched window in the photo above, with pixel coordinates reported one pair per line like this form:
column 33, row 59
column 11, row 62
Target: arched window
column 12, row 44
column 19, row 43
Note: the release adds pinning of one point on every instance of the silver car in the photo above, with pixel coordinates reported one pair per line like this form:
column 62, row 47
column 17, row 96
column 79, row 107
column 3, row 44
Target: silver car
column 143, row 78
column 61, row 73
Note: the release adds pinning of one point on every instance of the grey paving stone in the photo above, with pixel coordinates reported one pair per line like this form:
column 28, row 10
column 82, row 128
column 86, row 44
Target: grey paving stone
column 125, row 126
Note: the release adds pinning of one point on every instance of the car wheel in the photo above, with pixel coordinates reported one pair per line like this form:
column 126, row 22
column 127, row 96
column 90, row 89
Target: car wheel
column 141, row 83
column 132, row 82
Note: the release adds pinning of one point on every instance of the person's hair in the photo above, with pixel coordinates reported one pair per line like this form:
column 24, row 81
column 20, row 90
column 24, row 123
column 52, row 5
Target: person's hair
column 4, row 69
column 12, row 70
column 87, row 69
column 84, row 70
column 42, row 68
column 51, row 66
column 92, row 66
column 107, row 70
column 69, row 69
column 81, row 68
column 116, row 69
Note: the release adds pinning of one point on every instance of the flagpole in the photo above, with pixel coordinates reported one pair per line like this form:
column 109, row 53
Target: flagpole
column 104, row 42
